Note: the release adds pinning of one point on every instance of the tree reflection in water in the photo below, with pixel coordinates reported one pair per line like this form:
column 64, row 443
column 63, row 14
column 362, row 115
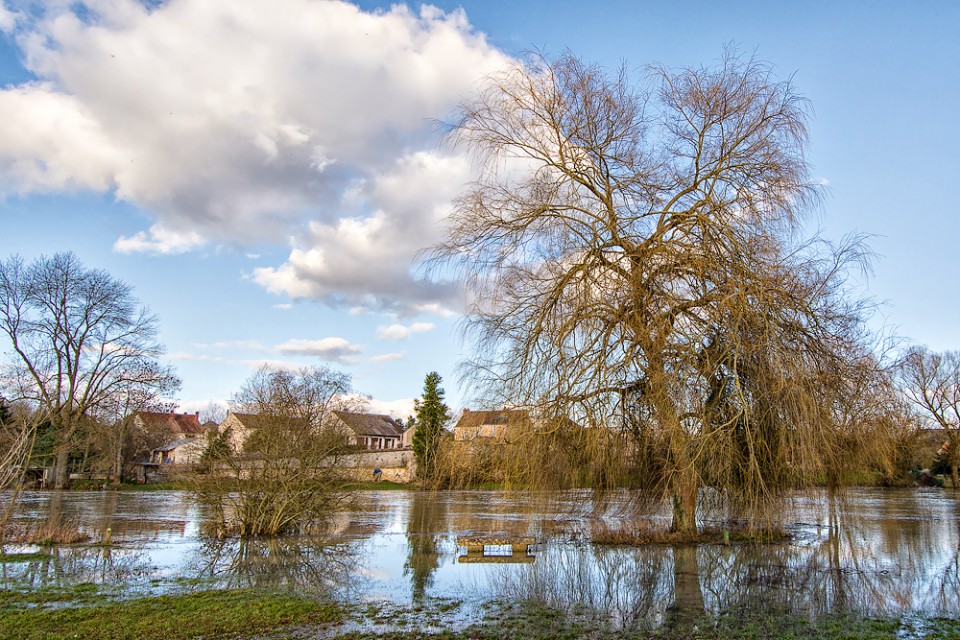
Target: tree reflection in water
column 878, row 564
column 307, row 565
column 879, row 552
column 428, row 518
column 67, row 566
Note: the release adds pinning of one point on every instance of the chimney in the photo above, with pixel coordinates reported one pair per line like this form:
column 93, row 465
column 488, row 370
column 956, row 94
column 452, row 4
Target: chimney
column 198, row 416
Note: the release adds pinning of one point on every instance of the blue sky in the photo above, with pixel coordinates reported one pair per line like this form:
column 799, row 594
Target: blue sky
column 264, row 173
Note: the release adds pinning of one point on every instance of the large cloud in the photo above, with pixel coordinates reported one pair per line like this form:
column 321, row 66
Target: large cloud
column 366, row 260
column 242, row 121
column 330, row 349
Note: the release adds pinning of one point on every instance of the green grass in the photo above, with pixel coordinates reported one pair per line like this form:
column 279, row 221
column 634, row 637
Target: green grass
column 235, row 613
column 85, row 593
column 525, row 621
column 156, row 486
column 383, row 485
column 90, row 611
column 12, row 558
column 640, row 534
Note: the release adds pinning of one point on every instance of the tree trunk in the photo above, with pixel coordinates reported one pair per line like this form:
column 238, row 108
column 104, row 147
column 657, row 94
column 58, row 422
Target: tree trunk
column 61, row 474
column 954, row 473
column 685, row 488
column 118, row 458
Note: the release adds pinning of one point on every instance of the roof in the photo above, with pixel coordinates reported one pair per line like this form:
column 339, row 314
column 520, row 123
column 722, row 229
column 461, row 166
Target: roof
column 187, row 423
column 503, row 416
column 370, row 424
column 257, row 420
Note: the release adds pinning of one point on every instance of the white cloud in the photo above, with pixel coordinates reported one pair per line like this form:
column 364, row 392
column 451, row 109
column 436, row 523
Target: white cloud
column 388, row 357
column 402, row 332
column 8, row 19
column 394, row 408
column 330, row 349
column 198, row 357
column 158, row 240
column 368, row 261
column 231, row 123
column 201, row 406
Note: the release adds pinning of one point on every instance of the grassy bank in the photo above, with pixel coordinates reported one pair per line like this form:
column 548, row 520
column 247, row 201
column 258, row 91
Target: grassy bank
column 235, row 613
column 383, row 485
column 85, row 611
column 535, row 622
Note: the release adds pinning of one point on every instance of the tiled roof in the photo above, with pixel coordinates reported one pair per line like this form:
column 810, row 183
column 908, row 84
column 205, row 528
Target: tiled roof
column 256, row 420
column 503, row 416
column 186, row 423
column 370, row 424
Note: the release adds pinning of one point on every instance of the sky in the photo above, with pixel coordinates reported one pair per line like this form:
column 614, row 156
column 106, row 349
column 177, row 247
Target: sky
column 265, row 173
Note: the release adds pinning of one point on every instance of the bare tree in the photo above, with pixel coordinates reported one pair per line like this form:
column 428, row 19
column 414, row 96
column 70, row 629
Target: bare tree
column 18, row 433
column 113, row 434
column 213, row 412
column 79, row 339
column 284, row 477
column 634, row 259
column 931, row 382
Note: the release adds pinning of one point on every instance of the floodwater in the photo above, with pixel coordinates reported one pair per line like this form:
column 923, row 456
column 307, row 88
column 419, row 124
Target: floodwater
column 880, row 552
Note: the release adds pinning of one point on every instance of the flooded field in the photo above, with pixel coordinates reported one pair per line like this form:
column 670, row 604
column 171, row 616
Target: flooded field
column 888, row 552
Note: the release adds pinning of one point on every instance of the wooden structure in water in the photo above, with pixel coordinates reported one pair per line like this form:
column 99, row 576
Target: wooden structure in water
column 497, row 549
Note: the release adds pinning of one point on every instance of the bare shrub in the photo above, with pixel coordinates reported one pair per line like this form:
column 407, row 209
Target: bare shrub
column 283, row 476
column 51, row 532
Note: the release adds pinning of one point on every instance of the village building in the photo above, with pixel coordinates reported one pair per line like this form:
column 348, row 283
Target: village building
column 406, row 439
column 169, row 426
column 182, row 451
column 181, row 435
column 238, row 427
column 490, row 426
column 369, row 430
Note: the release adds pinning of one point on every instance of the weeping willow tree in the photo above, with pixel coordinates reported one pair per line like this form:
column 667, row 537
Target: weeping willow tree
column 636, row 265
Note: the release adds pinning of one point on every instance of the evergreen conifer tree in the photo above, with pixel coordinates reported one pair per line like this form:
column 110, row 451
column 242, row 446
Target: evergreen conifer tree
column 431, row 417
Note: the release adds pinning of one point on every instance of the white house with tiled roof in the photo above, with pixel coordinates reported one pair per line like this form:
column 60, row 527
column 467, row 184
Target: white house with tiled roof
column 370, row 430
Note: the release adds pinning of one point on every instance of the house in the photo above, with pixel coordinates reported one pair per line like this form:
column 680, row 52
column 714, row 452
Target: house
column 239, row 427
column 406, row 439
column 492, row 426
column 181, row 435
column 182, row 451
column 369, row 430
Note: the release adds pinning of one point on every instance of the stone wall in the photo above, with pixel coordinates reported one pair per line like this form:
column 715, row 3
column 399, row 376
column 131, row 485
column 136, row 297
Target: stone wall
column 396, row 465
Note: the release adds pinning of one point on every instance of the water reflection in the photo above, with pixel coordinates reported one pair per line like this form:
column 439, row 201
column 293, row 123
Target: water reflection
column 304, row 565
column 428, row 517
column 893, row 557
column 69, row 566
column 876, row 552
column 129, row 516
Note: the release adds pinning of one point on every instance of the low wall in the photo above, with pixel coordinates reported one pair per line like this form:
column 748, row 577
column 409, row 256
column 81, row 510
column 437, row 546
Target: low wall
column 396, row 465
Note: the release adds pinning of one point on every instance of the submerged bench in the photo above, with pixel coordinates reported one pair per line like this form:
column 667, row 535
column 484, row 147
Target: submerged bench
column 478, row 543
